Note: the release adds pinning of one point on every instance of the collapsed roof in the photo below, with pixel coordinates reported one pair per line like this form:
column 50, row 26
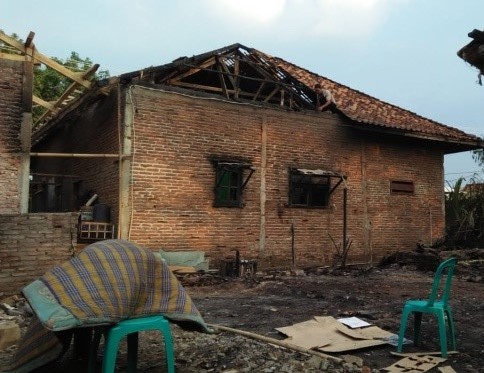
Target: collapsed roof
column 238, row 73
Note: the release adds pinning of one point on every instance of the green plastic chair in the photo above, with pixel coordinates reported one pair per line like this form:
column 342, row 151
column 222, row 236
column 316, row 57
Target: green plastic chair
column 438, row 305
column 129, row 328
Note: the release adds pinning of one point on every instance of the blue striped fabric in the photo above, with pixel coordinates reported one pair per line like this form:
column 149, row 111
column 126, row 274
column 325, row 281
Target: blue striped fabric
column 107, row 282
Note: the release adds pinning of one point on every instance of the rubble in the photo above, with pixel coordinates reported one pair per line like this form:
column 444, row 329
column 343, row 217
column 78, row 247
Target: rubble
column 262, row 303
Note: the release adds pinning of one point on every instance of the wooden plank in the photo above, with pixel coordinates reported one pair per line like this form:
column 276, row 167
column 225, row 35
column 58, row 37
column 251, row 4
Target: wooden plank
column 209, row 62
column 274, row 91
column 39, row 101
column 30, row 39
column 34, row 54
column 12, row 42
column 221, row 78
column 259, row 90
column 277, row 342
column 228, row 73
column 14, row 57
column 74, row 155
column 72, row 87
column 197, row 86
column 77, row 77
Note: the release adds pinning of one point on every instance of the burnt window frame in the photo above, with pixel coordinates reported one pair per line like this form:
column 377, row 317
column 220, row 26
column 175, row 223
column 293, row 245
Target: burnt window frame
column 229, row 193
column 402, row 187
column 309, row 189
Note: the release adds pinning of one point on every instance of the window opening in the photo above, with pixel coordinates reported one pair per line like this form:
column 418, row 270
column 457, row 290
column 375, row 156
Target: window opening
column 402, row 187
column 230, row 183
column 309, row 189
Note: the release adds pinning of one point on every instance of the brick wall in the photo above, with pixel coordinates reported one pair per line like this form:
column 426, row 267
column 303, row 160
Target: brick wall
column 174, row 139
column 11, row 77
column 31, row 244
column 174, row 181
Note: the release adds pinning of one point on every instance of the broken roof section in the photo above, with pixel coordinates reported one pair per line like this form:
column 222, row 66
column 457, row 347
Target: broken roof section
column 243, row 74
column 13, row 49
column 473, row 52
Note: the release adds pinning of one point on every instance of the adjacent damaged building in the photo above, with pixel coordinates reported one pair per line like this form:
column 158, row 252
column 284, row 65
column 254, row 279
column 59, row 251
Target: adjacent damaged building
column 224, row 152
column 473, row 52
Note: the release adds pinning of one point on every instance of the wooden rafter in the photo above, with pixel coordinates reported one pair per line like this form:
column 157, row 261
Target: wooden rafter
column 210, row 62
column 31, row 52
column 221, row 78
column 28, row 52
column 239, row 73
column 67, row 93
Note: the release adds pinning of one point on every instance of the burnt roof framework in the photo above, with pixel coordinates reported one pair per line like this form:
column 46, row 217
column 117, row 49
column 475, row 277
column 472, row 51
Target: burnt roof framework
column 238, row 73
column 235, row 72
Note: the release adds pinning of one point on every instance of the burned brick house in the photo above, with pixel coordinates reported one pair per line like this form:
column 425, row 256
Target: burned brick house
column 225, row 152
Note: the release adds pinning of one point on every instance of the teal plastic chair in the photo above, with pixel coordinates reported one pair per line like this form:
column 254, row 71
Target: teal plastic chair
column 437, row 304
column 129, row 328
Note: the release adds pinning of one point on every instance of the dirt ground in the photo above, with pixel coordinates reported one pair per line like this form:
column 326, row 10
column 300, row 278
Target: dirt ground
column 376, row 295
column 261, row 303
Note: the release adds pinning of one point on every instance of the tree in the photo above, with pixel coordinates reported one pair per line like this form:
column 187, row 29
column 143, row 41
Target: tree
column 464, row 215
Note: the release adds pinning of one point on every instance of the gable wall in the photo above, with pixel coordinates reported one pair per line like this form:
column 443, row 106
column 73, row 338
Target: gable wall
column 11, row 80
column 174, row 180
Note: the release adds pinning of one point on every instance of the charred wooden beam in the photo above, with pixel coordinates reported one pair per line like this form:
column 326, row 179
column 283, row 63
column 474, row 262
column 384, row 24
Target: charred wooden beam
column 194, row 69
column 221, row 78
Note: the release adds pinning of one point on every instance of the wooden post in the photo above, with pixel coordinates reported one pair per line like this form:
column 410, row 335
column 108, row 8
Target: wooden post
column 125, row 162
column 263, row 169
column 26, row 132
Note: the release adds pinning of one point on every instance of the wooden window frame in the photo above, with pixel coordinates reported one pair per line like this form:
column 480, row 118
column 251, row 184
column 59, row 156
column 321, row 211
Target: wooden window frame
column 402, row 187
column 230, row 183
column 303, row 190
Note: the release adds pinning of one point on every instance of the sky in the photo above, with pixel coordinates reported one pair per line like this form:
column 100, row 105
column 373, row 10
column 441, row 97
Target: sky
column 399, row 51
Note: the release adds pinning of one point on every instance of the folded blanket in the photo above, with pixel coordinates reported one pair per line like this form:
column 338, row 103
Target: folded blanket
column 107, row 282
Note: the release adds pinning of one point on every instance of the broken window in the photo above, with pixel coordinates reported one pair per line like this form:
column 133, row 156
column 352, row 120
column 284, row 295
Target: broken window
column 231, row 179
column 402, row 187
column 309, row 188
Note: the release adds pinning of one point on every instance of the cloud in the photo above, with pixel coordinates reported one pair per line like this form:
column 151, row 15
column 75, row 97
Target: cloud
column 305, row 18
column 261, row 11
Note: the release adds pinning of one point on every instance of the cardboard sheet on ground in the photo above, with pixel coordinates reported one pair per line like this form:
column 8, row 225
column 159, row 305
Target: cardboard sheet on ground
column 327, row 334
column 418, row 364
column 308, row 334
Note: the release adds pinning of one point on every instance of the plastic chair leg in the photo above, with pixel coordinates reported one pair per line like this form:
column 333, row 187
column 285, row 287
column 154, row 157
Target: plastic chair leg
column 417, row 328
column 113, row 336
column 169, row 352
column 442, row 333
column 403, row 326
column 111, row 349
column 132, row 352
column 93, row 350
column 450, row 320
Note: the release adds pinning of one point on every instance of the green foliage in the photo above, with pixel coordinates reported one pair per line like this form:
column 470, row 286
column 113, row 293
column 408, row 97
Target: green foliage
column 49, row 84
column 478, row 156
column 464, row 210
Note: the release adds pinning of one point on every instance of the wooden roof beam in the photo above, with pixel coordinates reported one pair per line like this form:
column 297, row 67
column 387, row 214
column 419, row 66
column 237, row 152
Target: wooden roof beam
column 74, row 85
column 210, row 62
column 48, row 105
column 30, row 51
